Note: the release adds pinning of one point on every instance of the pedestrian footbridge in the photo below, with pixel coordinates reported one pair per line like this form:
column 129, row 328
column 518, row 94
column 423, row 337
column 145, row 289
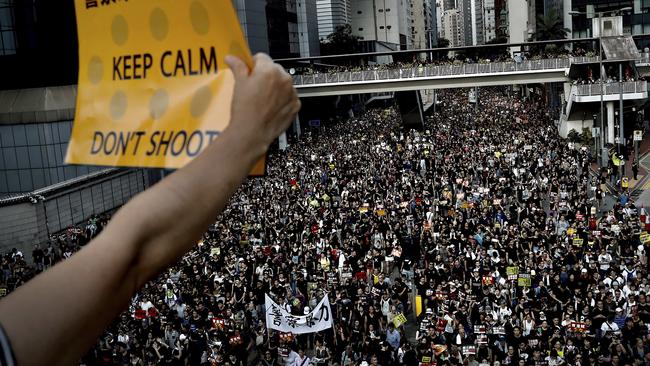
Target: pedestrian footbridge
column 433, row 77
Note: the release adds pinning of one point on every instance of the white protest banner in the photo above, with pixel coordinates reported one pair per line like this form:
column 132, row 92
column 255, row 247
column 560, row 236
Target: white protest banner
column 320, row 318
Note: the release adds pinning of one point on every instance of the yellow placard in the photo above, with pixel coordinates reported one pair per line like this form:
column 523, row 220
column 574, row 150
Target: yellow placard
column 578, row 242
column 399, row 320
column 154, row 89
column 644, row 237
column 418, row 305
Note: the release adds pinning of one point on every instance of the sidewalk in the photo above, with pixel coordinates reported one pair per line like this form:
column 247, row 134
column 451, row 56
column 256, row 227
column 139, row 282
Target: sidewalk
column 643, row 181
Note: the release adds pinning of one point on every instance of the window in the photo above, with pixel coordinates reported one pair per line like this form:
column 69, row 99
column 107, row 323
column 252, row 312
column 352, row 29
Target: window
column 359, row 12
column 360, row 29
column 7, row 29
column 381, row 27
column 389, row 27
column 388, row 10
column 607, row 26
column 381, row 10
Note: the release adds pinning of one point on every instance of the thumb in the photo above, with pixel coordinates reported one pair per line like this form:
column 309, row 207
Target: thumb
column 237, row 66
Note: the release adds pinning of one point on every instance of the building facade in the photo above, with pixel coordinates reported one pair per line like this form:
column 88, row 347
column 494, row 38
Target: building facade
column 452, row 28
column 520, row 26
column 386, row 22
column 635, row 21
column 308, row 28
column 489, row 20
column 281, row 28
column 331, row 14
column 252, row 17
column 424, row 28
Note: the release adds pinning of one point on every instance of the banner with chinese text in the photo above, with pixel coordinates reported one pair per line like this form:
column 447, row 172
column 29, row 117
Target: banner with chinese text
column 278, row 318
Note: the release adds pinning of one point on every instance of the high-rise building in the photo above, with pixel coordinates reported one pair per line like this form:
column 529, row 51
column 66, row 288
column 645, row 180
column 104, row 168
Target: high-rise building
column 433, row 23
column 635, row 21
column 452, row 28
column 252, row 17
column 438, row 19
column 520, row 26
column 501, row 17
column 489, row 20
column 475, row 30
column 382, row 24
column 424, row 23
column 331, row 14
column 282, row 28
column 308, row 28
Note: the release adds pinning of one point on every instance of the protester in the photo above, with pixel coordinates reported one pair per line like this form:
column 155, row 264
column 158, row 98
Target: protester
column 493, row 220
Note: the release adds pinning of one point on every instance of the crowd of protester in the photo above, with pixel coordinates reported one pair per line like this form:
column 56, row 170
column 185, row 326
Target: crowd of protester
column 516, row 254
column 446, row 59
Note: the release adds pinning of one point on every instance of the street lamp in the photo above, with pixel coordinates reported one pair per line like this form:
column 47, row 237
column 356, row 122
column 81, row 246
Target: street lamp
column 600, row 64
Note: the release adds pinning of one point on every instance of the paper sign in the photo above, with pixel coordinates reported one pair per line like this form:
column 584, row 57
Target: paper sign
column 524, row 280
column 154, row 90
column 577, row 327
column 644, row 238
column 578, row 242
column 487, row 280
column 469, row 350
column 278, row 318
column 638, row 135
column 512, row 272
column 399, row 320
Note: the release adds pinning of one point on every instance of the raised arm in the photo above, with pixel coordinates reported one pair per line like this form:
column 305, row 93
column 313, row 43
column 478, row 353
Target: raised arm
column 56, row 317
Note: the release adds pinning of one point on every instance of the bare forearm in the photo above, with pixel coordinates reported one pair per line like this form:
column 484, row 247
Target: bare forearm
column 82, row 295
column 57, row 316
column 180, row 208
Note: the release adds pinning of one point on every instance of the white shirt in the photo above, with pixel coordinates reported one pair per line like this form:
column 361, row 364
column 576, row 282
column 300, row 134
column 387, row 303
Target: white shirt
column 604, row 260
column 609, row 327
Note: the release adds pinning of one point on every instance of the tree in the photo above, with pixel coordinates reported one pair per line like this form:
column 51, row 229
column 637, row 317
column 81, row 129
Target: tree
column 341, row 41
column 491, row 53
column 549, row 27
column 442, row 43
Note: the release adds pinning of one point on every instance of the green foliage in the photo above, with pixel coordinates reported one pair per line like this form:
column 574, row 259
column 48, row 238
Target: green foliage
column 442, row 43
column 341, row 41
column 549, row 27
column 487, row 52
column 573, row 136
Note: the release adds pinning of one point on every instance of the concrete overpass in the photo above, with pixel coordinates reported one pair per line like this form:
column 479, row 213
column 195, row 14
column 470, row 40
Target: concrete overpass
column 433, row 77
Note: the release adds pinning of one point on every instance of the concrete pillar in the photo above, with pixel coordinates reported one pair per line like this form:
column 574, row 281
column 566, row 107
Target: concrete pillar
column 610, row 122
column 296, row 126
column 283, row 141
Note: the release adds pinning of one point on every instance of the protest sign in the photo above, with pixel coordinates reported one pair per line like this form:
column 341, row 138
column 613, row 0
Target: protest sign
column 399, row 320
column 153, row 87
column 512, row 272
column 278, row 318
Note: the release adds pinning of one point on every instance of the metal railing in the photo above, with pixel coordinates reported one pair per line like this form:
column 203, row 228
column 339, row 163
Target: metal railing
column 448, row 70
column 585, row 59
column 645, row 58
column 611, row 88
column 430, row 71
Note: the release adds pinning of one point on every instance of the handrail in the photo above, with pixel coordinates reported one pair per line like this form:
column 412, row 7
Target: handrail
column 447, row 70
column 429, row 71
column 586, row 90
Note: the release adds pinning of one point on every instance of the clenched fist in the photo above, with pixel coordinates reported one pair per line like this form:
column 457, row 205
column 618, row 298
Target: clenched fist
column 264, row 102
